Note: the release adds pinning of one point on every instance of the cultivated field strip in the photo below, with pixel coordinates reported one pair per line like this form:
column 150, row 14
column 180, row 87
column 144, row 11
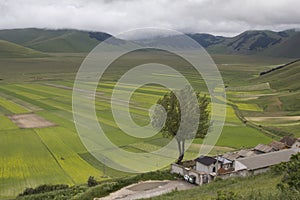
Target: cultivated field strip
column 60, row 156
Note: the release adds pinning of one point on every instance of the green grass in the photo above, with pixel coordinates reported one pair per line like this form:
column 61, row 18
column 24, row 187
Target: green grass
column 13, row 107
column 286, row 78
column 6, row 124
column 11, row 50
column 264, row 184
column 56, row 155
column 25, row 164
column 248, row 107
column 69, row 154
column 51, row 40
column 242, row 136
column 59, row 142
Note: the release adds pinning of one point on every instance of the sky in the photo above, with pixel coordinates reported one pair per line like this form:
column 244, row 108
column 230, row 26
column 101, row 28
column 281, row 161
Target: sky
column 219, row 17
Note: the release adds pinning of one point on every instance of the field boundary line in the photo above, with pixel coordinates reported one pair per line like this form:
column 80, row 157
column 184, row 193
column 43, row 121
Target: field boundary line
column 250, row 124
column 51, row 153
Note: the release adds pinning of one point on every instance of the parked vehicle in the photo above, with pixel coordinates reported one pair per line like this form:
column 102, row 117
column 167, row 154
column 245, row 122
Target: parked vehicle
column 186, row 177
column 191, row 179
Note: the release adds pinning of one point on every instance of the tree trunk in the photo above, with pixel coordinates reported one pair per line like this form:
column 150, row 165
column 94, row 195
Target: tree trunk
column 183, row 146
column 181, row 150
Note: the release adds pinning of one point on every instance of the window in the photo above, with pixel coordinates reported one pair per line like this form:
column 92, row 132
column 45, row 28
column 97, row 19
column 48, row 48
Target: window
column 214, row 169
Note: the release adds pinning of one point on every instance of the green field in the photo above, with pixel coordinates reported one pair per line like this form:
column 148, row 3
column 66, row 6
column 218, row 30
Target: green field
column 30, row 157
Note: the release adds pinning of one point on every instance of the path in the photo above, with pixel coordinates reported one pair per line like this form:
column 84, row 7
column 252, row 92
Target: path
column 147, row 189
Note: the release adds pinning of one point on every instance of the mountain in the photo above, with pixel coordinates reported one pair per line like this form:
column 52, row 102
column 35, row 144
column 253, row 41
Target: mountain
column 11, row 50
column 54, row 40
column 288, row 47
column 260, row 42
column 269, row 43
column 207, row 40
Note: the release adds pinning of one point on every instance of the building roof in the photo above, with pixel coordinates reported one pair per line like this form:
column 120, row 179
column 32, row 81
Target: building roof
column 231, row 156
column 223, row 160
column 267, row 159
column 246, row 153
column 206, row 160
column 263, row 148
column 288, row 141
column 188, row 163
column 277, row 145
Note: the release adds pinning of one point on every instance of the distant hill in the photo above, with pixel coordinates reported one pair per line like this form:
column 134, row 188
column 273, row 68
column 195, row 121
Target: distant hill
column 54, row 40
column 207, row 40
column 11, row 50
column 283, row 78
column 263, row 42
column 269, row 43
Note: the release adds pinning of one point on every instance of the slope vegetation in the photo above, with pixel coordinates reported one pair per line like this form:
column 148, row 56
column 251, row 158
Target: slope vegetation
column 54, row 40
column 285, row 78
column 260, row 42
column 11, row 50
column 269, row 43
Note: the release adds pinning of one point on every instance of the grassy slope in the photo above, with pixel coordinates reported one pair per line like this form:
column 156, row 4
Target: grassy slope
column 286, row 78
column 264, row 184
column 51, row 40
column 11, row 50
column 286, row 83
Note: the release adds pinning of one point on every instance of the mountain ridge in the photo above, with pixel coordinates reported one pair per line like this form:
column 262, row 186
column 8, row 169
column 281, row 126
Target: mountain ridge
column 49, row 40
column 263, row 42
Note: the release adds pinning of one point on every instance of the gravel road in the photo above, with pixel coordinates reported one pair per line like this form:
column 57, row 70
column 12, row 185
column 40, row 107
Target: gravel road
column 147, row 189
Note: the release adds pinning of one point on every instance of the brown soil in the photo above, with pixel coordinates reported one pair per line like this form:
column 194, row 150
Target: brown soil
column 30, row 121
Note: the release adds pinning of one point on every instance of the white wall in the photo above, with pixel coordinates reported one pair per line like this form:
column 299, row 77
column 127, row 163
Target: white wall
column 296, row 145
column 239, row 166
column 176, row 169
column 202, row 168
column 259, row 171
column 207, row 169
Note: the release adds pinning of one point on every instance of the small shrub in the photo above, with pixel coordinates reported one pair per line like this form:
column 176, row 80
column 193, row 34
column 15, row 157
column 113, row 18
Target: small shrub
column 42, row 189
column 227, row 195
column 217, row 179
column 92, row 182
column 278, row 169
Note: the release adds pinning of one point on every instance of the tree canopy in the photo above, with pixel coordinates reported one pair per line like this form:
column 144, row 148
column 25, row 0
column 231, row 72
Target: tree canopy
column 182, row 117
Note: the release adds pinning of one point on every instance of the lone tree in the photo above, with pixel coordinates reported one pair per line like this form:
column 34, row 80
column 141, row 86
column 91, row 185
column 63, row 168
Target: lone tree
column 174, row 119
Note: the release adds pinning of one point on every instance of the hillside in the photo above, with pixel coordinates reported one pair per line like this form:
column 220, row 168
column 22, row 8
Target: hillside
column 261, row 42
column 11, row 50
column 54, row 40
column 269, row 43
column 288, row 48
column 285, row 78
column 261, row 186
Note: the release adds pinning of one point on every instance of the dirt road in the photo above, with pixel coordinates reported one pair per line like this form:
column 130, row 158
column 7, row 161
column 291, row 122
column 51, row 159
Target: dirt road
column 147, row 189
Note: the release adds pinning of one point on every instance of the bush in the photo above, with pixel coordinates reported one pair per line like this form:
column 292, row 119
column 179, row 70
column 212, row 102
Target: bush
column 42, row 189
column 226, row 195
column 106, row 187
column 92, row 182
column 63, row 194
column 278, row 169
column 291, row 178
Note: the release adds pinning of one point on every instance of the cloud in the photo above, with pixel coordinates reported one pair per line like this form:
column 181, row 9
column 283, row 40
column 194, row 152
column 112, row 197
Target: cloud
column 211, row 16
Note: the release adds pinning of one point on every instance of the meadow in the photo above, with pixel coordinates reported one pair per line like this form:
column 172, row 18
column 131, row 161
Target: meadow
column 31, row 157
